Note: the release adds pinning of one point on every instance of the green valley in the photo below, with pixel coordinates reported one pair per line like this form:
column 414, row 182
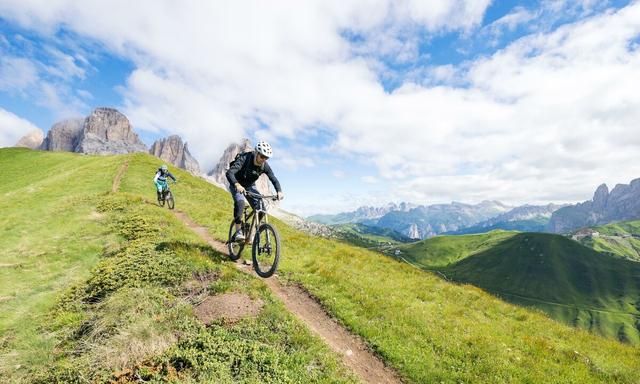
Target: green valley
column 570, row 282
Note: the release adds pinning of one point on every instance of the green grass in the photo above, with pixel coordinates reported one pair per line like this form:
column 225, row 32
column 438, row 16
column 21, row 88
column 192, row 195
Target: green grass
column 428, row 329
column 106, row 285
column 570, row 282
column 440, row 251
column 618, row 239
column 51, row 237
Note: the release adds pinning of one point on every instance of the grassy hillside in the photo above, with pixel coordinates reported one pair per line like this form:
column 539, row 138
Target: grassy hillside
column 441, row 251
column 136, row 302
column 100, row 286
column 369, row 237
column 618, row 239
column 428, row 329
column 567, row 280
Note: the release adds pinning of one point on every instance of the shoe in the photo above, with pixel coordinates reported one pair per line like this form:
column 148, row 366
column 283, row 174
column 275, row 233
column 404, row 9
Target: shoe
column 239, row 236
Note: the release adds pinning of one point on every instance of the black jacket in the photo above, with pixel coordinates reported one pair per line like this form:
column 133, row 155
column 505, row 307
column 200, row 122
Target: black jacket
column 244, row 171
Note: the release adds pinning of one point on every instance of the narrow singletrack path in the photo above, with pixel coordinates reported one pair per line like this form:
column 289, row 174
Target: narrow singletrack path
column 116, row 180
column 355, row 354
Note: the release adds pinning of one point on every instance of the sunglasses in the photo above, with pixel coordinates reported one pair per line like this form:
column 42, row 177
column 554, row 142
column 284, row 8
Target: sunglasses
column 260, row 155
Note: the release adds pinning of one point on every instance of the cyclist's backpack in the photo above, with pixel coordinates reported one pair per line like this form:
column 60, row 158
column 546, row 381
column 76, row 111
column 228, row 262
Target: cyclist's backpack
column 238, row 156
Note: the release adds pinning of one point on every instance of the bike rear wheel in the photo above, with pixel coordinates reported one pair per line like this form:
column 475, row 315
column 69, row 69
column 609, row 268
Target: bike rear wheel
column 266, row 250
column 235, row 248
column 170, row 202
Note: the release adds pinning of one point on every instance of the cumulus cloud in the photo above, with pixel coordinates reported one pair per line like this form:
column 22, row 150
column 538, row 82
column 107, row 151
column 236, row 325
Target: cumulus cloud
column 549, row 116
column 12, row 128
column 215, row 72
column 25, row 75
column 17, row 74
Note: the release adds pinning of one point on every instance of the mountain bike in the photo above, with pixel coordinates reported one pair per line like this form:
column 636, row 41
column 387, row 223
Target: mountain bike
column 262, row 236
column 166, row 196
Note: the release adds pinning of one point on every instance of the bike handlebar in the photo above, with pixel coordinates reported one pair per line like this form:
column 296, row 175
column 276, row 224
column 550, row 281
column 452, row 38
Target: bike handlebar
column 259, row 196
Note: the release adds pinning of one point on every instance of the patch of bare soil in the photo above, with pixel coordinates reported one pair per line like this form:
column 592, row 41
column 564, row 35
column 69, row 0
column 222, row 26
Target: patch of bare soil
column 228, row 307
column 354, row 351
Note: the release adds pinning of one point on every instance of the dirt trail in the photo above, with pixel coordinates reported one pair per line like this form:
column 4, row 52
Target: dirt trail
column 116, row 180
column 354, row 352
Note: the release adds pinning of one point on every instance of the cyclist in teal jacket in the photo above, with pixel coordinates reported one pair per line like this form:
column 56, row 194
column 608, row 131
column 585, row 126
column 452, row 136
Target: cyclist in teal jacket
column 160, row 179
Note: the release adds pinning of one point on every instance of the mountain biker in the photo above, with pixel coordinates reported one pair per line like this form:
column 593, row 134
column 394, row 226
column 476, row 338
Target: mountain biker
column 242, row 175
column 160, row 179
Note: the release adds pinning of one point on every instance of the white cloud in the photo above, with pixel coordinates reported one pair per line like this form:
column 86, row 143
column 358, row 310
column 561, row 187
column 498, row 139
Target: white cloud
column 17, row 74
column 514, row 125
column 370, row 179
column 12, row 128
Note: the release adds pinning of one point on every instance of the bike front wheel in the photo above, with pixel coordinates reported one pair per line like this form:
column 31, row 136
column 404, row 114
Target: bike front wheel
column 235, row 247
column 266, row 250
column 170, row 202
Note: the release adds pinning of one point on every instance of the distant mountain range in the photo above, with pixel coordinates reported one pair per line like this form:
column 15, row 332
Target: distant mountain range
column 362, row 214
column 526, row 218
column 418, row 221
column 622, row 203
column 425, row 221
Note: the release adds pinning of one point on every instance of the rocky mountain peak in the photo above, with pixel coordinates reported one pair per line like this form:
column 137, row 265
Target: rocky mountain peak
column 600, row 197
column 107, row 131
column 63, row 135
column 622, row 203
column 217, row 174
column 172, row 150
column 32, row 139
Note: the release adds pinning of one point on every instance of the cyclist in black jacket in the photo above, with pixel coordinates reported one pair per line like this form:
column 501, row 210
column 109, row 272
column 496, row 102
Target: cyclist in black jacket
column 242, row 175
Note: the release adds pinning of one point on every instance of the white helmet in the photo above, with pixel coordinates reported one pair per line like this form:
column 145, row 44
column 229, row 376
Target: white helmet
column 264, row 149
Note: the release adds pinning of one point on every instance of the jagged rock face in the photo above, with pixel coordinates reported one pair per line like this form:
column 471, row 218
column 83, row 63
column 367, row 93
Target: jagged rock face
column 413, row 232
column 218, row 172
column 31, row 140
column 107, row 131
column 623, row 203
column 174, row 151
column 63, row 136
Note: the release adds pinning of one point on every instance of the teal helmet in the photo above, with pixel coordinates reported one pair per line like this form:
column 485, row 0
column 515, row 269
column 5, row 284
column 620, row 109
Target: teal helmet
column 164, row 167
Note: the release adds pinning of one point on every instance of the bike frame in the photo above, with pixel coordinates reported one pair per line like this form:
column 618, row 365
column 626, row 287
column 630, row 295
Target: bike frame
column 253, row 214
column 165, row 189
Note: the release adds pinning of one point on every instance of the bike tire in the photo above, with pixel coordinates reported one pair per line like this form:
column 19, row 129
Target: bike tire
column 235, row 248
column 266, row 250
column 170, row 202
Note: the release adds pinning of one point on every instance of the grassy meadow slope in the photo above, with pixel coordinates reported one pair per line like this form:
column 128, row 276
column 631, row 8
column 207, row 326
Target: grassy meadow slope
column 620, row 239
column 570, row 282
column 100, row 286
column 51, row 237
column 430, row 330
column 441, row 251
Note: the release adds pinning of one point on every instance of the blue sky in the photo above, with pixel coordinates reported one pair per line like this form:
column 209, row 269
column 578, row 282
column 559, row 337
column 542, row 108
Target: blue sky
column 364, row 102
